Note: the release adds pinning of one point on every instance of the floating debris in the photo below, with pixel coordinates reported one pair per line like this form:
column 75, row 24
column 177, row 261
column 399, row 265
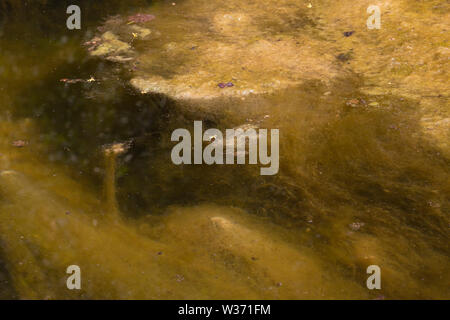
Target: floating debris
column 179, row 277
column 117, row 148
column 224, row 85
column 19, row 143
column 348, row 33
column 119, row 59
column 356, row 102
column 355, row 226
column 140, row 18
column 353, row 103
column 393, row 127
column 139, row 32
column 93, row 43
column 65, row 80
column 71, row 81
column 434, row 204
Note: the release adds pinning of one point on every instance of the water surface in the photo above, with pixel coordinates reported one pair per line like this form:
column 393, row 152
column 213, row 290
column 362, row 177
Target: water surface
column 364, row 160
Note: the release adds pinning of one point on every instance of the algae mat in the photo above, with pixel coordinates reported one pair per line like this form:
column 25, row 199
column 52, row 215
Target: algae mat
column 205, row 252
column 189, row 51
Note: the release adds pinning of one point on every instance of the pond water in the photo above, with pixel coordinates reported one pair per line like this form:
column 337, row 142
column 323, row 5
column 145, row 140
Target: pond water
column 364, row 151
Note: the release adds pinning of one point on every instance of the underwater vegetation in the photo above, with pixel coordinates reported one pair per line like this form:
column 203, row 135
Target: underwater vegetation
column 86, row 176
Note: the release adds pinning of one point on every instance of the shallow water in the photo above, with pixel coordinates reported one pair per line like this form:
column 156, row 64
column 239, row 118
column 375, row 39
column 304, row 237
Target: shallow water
column 364, row 161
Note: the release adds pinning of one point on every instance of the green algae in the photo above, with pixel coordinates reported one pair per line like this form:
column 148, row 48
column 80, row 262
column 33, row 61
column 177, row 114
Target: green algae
column 196, row 232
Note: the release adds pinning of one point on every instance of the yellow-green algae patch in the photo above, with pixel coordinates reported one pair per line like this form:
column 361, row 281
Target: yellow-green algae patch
column 408, row 56
column 264, row 46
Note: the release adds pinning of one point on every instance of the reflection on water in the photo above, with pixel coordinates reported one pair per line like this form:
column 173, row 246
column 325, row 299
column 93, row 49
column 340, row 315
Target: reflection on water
column 363, row 179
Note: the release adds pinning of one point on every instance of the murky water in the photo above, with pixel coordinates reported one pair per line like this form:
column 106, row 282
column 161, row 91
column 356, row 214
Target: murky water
column 364, row 153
